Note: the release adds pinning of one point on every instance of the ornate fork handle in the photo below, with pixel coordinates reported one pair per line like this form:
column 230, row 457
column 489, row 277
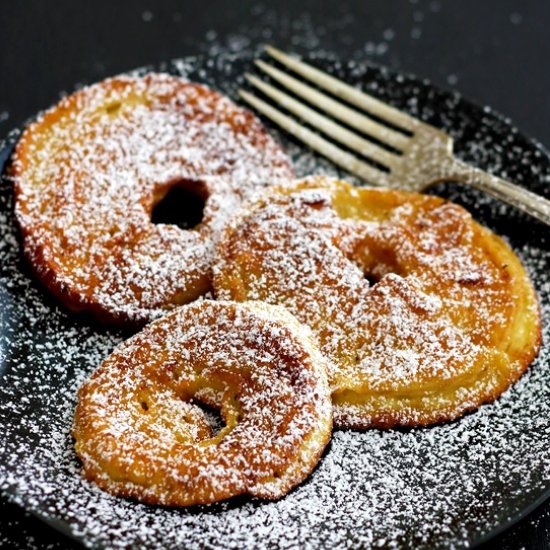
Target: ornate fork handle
column 531, row 203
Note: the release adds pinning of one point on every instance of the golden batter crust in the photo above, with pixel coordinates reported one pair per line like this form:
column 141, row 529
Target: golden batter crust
column 423, row 313
column 140, row 433
column 89, row 172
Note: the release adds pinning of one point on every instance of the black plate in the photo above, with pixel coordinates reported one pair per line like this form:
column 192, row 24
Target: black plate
column 447, row 486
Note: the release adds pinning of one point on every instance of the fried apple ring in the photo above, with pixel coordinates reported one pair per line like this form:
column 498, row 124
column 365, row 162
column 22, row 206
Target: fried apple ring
column 423, row 313
column 140, row 433
column 89, row 172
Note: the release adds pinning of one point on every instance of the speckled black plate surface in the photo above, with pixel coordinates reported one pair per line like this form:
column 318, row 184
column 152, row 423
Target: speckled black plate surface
column 447, row 486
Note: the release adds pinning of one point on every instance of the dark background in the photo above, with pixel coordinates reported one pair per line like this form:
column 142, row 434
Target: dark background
column 495, row 52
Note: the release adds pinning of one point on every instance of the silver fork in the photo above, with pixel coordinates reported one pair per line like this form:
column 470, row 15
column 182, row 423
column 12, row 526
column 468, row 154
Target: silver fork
column 419, row 156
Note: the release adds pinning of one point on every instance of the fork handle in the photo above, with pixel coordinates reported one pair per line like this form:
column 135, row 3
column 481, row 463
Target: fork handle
column 531, row 203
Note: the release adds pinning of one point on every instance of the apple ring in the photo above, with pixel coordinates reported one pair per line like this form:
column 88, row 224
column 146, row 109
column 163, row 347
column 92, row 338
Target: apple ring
column 89, row 172
column 422, row 313
column 140, row 432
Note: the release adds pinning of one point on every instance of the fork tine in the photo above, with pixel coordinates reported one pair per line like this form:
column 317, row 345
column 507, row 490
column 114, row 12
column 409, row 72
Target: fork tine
column 326, row 125
column 345, row 91
column 336, row 109
column 340, row 157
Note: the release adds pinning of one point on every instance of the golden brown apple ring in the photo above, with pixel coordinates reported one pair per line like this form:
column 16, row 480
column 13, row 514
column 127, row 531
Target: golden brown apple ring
column 423, row 313
column 90, row 170
column 140, row 433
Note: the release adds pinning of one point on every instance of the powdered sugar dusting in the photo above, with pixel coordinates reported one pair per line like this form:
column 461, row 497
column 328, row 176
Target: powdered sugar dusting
column 140, row 432
column 444, row 486
column 90, row 170
column 428, row 341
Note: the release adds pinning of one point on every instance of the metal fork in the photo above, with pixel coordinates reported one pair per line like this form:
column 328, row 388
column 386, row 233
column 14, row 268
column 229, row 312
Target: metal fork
column 416, row 156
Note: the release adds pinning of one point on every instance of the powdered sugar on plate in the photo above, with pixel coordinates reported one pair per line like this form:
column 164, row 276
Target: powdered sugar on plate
column 444, row 486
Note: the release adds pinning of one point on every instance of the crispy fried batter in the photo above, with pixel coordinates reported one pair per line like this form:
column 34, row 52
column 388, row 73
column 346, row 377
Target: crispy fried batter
column 89, row 172
column 423, row 313
column 140, row 433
